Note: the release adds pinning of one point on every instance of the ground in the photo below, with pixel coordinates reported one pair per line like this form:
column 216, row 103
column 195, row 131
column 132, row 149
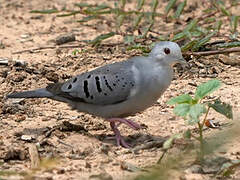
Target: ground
column 87, row 153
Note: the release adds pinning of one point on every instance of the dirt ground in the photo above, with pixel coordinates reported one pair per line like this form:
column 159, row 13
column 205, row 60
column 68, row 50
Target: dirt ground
column 87, row 153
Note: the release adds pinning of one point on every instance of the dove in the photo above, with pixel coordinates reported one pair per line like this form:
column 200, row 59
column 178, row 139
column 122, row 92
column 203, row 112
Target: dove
column 116, row 91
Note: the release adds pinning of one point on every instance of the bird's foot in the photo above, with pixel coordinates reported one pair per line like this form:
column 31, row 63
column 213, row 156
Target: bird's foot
column 115, row 122
column 118, row 137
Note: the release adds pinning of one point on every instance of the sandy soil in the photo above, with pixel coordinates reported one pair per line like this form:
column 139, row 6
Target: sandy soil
column 79, row 154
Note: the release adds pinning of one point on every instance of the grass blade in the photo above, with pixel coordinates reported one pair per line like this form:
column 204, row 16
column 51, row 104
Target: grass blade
column 234, row 23
column 229, row 45
column 46, row 11
column 188, row 45
column 69, row 14
column 169, row 6
column 180, row 9
column 140, row 4
column 203, row 41
column 137, row 21
column 88, row 18
column 101, row 37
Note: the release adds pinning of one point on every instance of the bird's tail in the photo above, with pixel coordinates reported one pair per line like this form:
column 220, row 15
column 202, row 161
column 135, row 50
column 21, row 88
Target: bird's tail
column 38, row 93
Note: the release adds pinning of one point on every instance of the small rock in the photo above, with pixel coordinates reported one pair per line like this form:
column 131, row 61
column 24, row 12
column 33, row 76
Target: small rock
column 194, row 169
column 15, row 154
column 3, row 61
column 129, row 167
column 101, row 176
column 52, row 76
column 27, row 138
column 20, row 63
column 88, row 165
column 65, row 38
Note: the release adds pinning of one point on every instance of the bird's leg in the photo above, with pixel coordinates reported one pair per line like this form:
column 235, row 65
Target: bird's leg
column 128, row 122
column 114, row 126
column 119, row 138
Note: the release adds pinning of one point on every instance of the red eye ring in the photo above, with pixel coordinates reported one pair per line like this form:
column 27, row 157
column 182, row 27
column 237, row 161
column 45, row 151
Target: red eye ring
column 167, row 51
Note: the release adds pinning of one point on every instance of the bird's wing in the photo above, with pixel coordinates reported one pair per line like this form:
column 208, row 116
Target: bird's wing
column 106, row 85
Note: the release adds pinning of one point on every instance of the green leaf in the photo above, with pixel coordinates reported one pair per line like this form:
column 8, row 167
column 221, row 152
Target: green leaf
column 88, row 18
column 224, row 10
column 120, row 20
column 169, row 142
column 129, row 39
column 187, row 134
column 69, row 14
column 195, row 112
column 170, row 5
column 180, row 9
column 46, row 11
column 182, row 109
column 178, row 36
column 222, row 108
column 140, row 4
column 100, row 38
column 229, row 45
column 234, row 23
column 154, row 4
column 203, row 41
column 185, row 98
column 188, row 45
column 218, row 25
column 206, row 88
column 191, row 25
column 123, row 3
column 137, row 21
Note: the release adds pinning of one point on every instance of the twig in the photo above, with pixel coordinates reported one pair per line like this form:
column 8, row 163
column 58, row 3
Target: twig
column 208, row 53
column 46, row 47
column 65, row 144
column 149, row 145
column 34, row 156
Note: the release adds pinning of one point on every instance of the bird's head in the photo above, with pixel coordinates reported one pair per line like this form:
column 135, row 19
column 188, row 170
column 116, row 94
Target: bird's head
column 167, row 52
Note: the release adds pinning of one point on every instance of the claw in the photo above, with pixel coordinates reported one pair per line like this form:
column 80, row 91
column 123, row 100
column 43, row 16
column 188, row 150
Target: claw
column 119, row 138
column 115, row 122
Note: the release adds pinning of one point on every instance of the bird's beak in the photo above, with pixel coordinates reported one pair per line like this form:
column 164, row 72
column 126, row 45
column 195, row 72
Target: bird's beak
column 183, row 62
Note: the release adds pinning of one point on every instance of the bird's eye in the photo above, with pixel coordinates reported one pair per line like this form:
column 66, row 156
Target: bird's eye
column 166, row 50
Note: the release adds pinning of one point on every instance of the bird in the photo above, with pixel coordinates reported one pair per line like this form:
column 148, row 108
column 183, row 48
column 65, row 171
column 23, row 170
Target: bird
column 118, row 90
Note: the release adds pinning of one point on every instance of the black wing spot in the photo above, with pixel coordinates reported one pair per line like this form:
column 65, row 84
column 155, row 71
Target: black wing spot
column 91, row 97
column 109, row 87
column 123, row 86
column 74, row 80
column 104, row 77
column 125, row 83
column 89, row 76
column 114, row 84
column 105, row 94
column 116, row 76
column 85, row 88
column 98, row 84
column 69, row 86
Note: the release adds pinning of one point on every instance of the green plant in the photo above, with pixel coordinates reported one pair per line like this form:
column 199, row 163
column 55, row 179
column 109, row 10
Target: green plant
column 193, row 108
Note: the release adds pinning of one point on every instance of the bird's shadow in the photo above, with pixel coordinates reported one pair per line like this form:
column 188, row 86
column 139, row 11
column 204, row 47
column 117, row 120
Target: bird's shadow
column 139, row 140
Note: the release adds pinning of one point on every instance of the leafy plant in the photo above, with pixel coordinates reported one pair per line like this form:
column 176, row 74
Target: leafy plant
column 193, row 108
column 194, row 34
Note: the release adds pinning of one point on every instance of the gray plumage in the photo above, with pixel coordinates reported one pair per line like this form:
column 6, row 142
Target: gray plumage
column 117, row 90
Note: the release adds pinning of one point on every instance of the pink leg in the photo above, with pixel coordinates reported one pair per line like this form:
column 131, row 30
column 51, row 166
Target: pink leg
column 114, row 126
column 128, row 122
column 119, row 138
